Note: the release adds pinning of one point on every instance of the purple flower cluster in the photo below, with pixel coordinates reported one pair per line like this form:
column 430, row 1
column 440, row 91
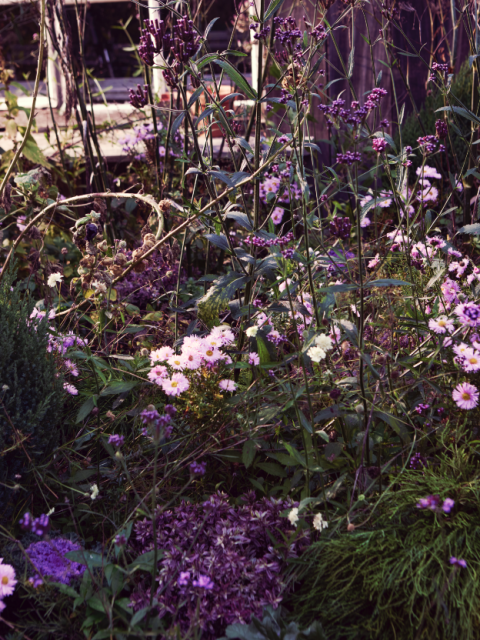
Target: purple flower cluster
column 116, row 440
column 340, row 227
column 422, row 408
column 49, row 560
column 417, row 461
column 441, row 68
column 287, row 33
column 40, row 526
column 442, row 129
column 379, row 145
column 349, row 157
column 357, row 116
column 428, row 144
column 139, row 98
column 433, row 503
column 220, row 565
column 458, row 563
column 272, row 242
column 198, row 468
column 160, row 425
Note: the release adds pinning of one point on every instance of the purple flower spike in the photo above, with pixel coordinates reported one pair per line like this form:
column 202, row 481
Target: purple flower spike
column 203, row 582
column 26, row 522
column 448, row 505
column 432, row 503
column 116, row 440
column 184, row 578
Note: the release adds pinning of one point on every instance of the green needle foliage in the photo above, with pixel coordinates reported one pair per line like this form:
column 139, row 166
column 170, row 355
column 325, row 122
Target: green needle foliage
column 393, row 578
column 30, row 392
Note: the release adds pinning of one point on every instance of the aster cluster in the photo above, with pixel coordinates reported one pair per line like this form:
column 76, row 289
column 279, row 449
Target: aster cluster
column 174, row 372
column 434, row 503
column 219, row 565
column 48, row 559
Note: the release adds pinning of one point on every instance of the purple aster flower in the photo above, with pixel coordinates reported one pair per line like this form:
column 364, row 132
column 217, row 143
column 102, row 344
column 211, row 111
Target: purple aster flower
column 203, row 582
column 448, row 505
column 431, row 502
column 116, row 440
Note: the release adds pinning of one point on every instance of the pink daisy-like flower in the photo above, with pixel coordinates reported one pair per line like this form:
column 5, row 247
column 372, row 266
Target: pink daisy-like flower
column 471, row 360
column 175, row 385
column 222, row 333
column 69, row 388
column 465, row 396
column 227, row 385
column 373, row 263
column 176, row 362
column 71, row 367
column 468, row 313
column 211, row 354
column 441, row 325
column 161, row 355
column 460, row 349
column 277, row 215
column 7, row 580
column 253, row 358
column 366, row 222
column 192, row 359
column 193, row 343
column 428, row 172
column 157, row 373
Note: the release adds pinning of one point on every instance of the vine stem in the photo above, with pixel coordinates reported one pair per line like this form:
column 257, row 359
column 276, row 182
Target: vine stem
column 34, row 100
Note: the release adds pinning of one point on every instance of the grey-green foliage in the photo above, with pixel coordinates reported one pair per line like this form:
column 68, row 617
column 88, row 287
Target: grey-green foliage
column 274, row 627
column 31, row 394
column 392, row 578
column 412, row 130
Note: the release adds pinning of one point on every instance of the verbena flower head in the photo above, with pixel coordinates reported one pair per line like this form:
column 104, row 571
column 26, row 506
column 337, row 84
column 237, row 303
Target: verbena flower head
column 48, row 558
column 465, row 396
column 448, row 505
column 459, row 563
column 379, row 145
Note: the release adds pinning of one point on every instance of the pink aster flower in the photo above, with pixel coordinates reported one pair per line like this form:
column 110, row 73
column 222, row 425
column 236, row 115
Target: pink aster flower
column 461, row 349
column 441, row 325
column 176, row 362
column 227, row 385
column 175, row 385
column 69, row 388
column 211, row 354
column 450, row 289
column 7, row 580
column 157, row 373
column 465, row 396
column 428, row 172
column 277, row 215
column 161, row 355
column 468, row 313
column 71, row 367
column 471, row 360
column 253, row 358
column 373, row 263
column 366, row 222
column 192, row 359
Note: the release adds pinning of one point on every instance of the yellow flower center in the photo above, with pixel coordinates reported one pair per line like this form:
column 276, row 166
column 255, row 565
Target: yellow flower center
column 177, row 361
column 174, row 384
column 442, row 323
column 209, row 352
column 473, row 360
column 465, row 396
column 4, row 580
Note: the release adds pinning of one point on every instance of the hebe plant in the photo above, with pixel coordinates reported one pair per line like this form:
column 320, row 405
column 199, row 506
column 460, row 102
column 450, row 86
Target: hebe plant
column 31, row 394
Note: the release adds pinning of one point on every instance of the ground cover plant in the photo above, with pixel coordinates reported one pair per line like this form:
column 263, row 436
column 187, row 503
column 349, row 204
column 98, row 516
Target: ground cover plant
column 239, row 381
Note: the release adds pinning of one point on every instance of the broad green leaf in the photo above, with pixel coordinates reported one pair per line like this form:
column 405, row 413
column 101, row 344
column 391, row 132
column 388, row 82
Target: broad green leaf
column 118, row 387
column 471, row 229
column 85, row 409
column 237, row 78
column 248, row 453
column 32, row 152
column 272, row 469
column 273, row 7
column 87, row 558
column 219, row 241
column 465, row 113
column 388, row 282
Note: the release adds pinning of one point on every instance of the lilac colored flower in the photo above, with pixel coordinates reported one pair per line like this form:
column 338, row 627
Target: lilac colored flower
column 184, row 578
column 431, row 502
column 379, row 145
column 120, row 540
column 442, row 129
column 170, row 410
column 116, row 440
column 26, row 521
column 448, row 505
column 459, row 563
column 253, row 358
column 149, row 415
column 417, row 461
column 41, row 525
column 48, row 558
column 340, row 227
column 421, row 408
column 69, row 388
column 203, row 582
column 198, row 468
column 465, row 395
column 468, row 314
column 36, row 581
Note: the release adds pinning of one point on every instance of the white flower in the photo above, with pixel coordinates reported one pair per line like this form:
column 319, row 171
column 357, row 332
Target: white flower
column 316, row 354
column 53, row 279
column 251, row 332
column 319, row 523
column 324, row 342
column 101, row 287
column 293, row 515
column 94, row 491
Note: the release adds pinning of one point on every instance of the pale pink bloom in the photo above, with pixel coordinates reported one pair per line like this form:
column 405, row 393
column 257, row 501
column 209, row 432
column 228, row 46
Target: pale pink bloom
column 436, row 241
column 176, row 362
column 7, row 580
column 277, row 215
column 460, row 349
column 441, row 325
column 192, row 343
column 458, row 267
column 161, row 355
column 213, row 341
column 465, row 395
column 428, row 172
column 71, row 367
column 261, row 319
column 157, row 373
column 366, row 222
column 284, row 284
column 211, row 354
column 471, row 360
column 428, row 309
column 253, row 358
column 21, row 223
column 192, row 359
column 175, row 385
column 227, row 385
column 453, row 252
column 2, row 605
column 374, row 262
column 450, row 289
column 69, row 388
column 447, row 342
column 223, row 333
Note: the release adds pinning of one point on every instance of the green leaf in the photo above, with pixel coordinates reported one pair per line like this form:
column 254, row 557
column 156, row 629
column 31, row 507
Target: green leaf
column 388, row 282
column 139, row 616
column 219, row 241
column 145, row 561
column 272, row 469
column 32, row 152
column 237, row 78
column 248, row 452
column 85, row 409
column 397, row 425
column 118, row 387
column 471, row 229
column 87, row 558
column 218, row 297
column 273, row 7
column 464, row 113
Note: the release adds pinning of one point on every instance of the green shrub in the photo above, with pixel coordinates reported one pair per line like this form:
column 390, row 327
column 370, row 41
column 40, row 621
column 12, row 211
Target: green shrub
column 31, row 394
column 392, row 577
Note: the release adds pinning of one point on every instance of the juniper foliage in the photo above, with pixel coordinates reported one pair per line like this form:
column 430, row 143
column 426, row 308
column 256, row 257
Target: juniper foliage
column 31, row 394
